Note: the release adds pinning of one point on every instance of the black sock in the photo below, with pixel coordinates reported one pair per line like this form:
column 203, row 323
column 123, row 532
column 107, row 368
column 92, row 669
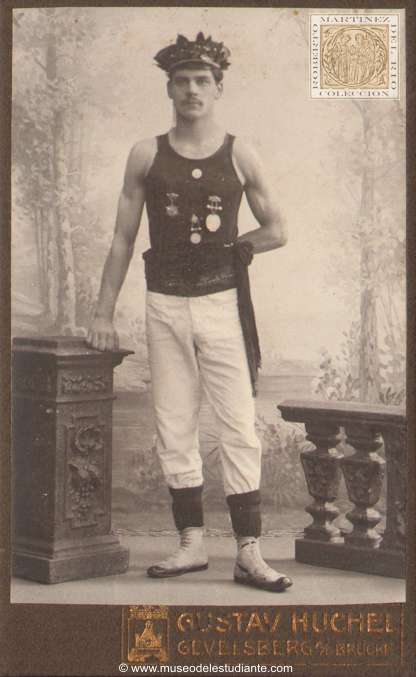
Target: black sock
column 187, row 507
column 245, row 513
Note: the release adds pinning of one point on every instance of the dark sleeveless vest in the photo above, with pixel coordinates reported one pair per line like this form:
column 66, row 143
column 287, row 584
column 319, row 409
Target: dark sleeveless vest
column 192, row 207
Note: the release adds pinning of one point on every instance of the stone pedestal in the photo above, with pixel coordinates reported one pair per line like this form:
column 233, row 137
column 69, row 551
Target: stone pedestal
column 62, row 448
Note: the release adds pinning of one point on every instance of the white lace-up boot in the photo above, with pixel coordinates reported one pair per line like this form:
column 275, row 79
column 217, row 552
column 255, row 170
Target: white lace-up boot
column 251, row 569
column 191, row 556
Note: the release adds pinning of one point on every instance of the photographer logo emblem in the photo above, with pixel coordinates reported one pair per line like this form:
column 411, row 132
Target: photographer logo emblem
column 146, row 631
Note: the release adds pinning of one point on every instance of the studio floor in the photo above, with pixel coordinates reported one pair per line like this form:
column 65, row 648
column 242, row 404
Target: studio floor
column 311, row 584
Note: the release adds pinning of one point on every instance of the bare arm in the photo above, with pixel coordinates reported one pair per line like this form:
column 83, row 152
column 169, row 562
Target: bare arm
column 102, row 334
column 271, row 233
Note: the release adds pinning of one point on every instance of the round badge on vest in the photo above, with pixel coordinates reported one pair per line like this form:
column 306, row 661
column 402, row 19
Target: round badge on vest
column 196, row 238
column 196, row 173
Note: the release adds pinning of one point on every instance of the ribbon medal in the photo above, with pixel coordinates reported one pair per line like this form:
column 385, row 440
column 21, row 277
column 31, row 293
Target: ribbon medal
column 213, row 220
column 195, row 230
column 172, row 209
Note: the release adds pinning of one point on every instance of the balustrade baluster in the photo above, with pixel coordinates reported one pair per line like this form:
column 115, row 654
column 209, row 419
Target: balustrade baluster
column 363, row 473
column 323, row 473
column 395, row 451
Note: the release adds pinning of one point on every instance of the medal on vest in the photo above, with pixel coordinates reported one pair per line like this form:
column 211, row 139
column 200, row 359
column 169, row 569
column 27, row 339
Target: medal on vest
column 172, row 209
column 195, row 230
column 213, row 220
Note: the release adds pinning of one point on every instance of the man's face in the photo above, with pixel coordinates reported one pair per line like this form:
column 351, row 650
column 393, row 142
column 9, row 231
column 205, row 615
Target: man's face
column 193, row 92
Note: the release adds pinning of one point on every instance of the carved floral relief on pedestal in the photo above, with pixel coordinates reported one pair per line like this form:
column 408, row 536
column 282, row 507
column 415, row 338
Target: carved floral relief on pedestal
column 85, row 472
column 76, row 383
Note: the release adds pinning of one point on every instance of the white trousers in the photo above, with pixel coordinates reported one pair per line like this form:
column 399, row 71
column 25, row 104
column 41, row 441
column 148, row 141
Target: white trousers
column 201, row 338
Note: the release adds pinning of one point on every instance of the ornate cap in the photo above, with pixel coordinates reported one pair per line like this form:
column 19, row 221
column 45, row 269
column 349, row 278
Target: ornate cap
column 203, row 51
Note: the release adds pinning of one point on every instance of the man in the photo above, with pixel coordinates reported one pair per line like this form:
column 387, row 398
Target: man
column 199, row 318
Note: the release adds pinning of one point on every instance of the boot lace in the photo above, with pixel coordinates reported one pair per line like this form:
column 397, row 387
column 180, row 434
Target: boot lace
column 254, row 562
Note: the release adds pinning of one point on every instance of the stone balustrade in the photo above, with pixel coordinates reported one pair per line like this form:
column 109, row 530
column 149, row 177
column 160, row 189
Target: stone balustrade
column 367, row 429
column 61, row 469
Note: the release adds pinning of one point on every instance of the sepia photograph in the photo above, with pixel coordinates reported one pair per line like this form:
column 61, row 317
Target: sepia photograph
column 208, row 308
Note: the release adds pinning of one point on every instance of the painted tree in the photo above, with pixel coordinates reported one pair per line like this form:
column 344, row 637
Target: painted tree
column 382, row 233
column 48, row 105
column 367, row 257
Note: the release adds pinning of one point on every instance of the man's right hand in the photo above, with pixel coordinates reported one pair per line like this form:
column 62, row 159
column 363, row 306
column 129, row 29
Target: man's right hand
column 102, row 335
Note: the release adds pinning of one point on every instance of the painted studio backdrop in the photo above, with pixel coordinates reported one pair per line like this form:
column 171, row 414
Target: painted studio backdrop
column 329, row 306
